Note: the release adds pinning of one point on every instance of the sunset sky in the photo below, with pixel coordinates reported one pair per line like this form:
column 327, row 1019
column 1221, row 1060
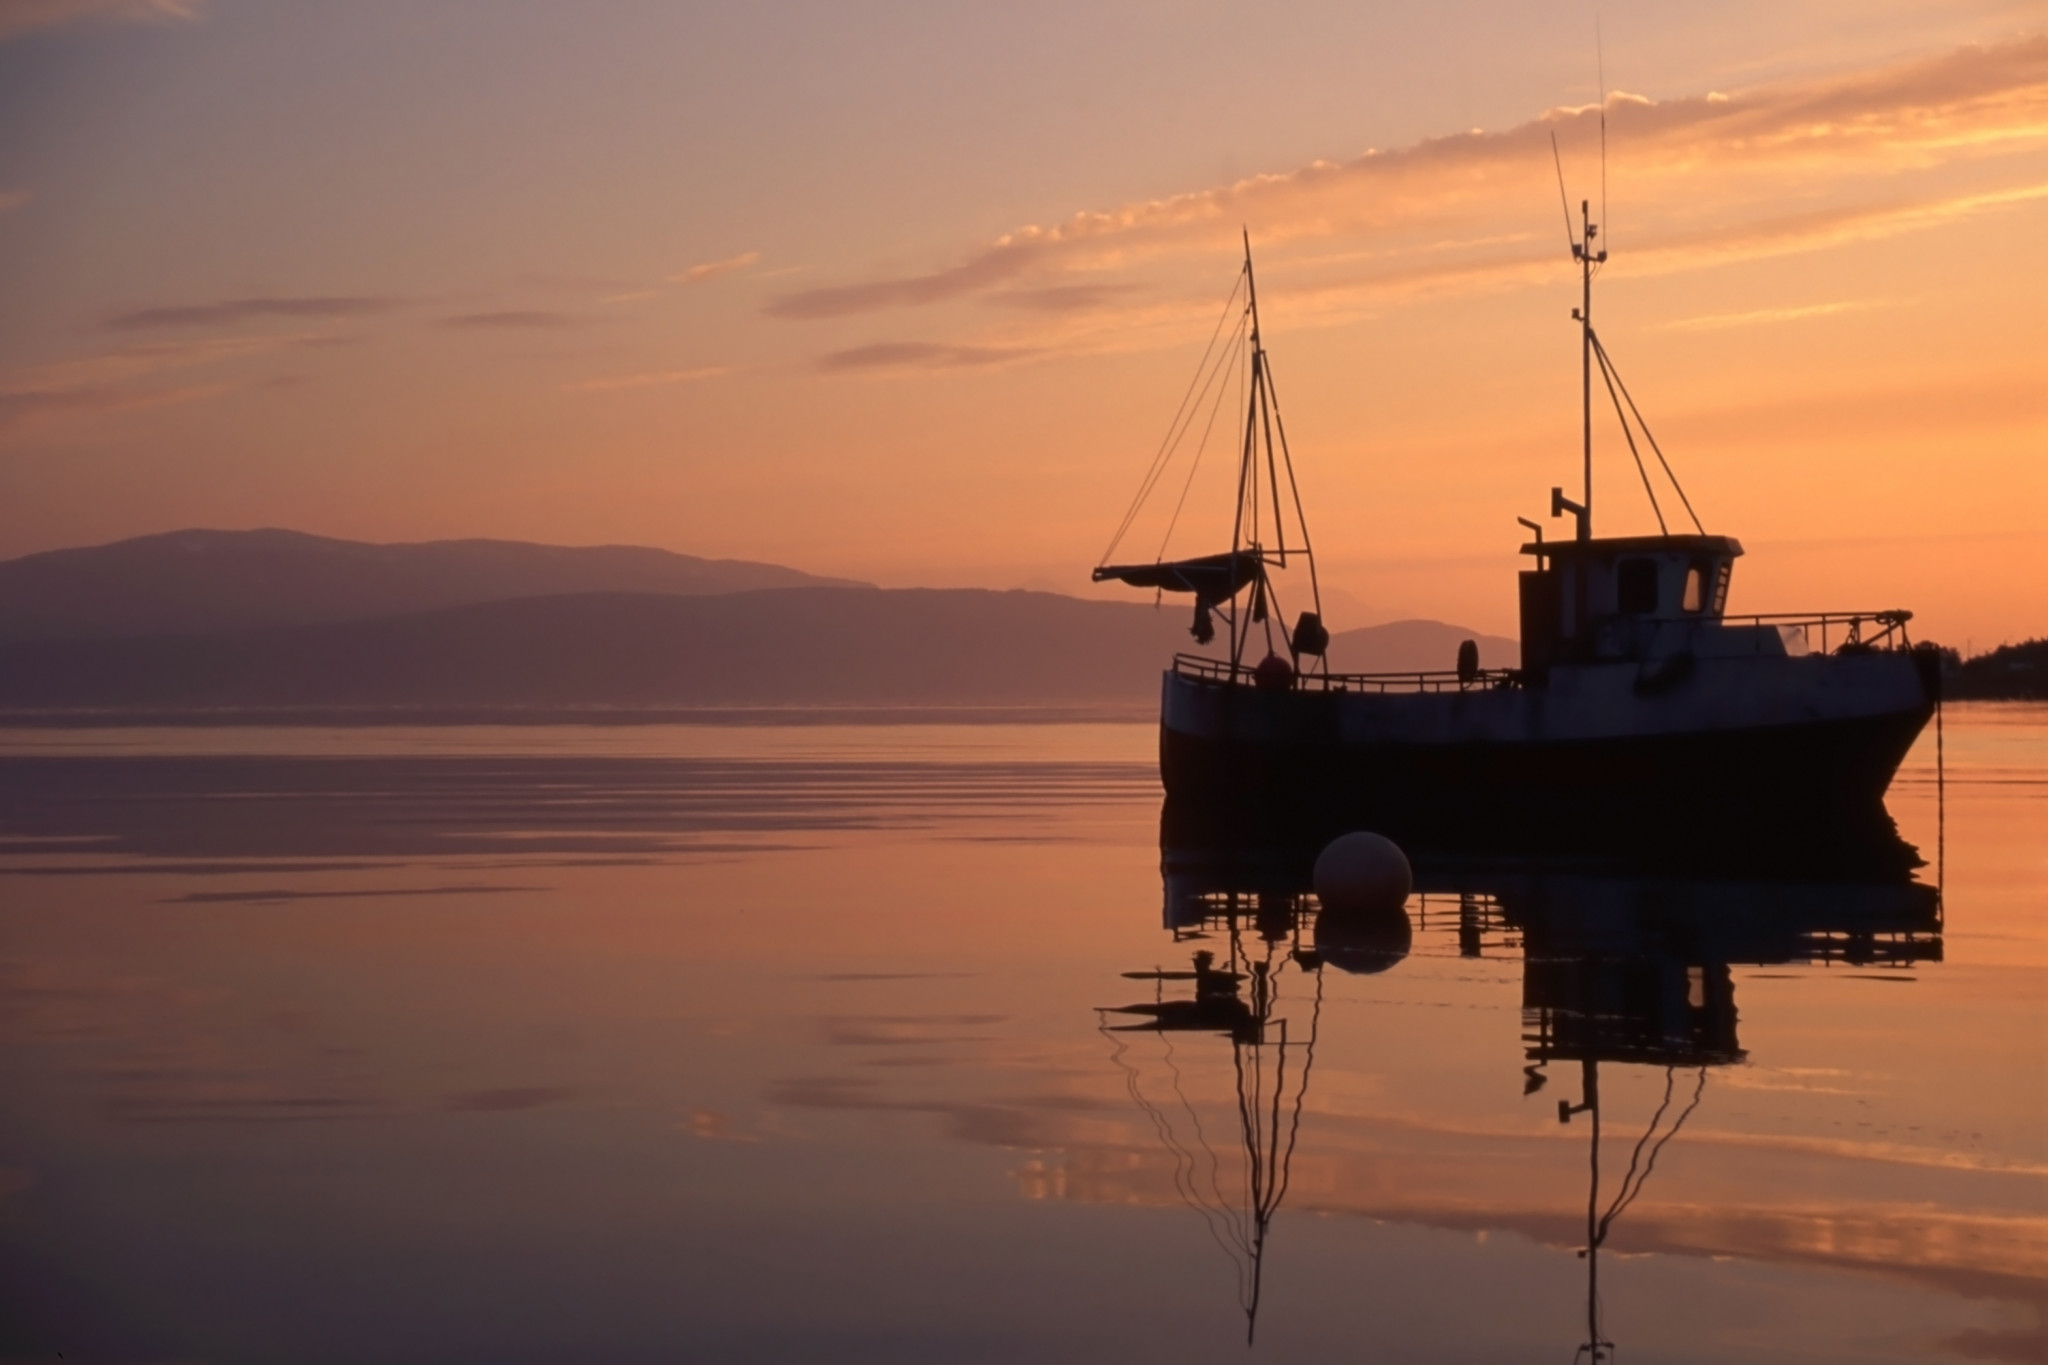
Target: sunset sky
column 909, row 291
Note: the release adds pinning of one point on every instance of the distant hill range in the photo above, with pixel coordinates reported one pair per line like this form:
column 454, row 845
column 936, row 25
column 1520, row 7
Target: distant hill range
column 274, row 620
column 193, row 582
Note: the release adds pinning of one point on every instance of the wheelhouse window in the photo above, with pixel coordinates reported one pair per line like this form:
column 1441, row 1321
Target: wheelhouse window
column 1695, row 590
column 1635, row 586
column 1721, row 586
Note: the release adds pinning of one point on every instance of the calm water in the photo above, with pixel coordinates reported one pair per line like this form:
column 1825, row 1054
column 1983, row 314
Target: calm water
column 759, row 1044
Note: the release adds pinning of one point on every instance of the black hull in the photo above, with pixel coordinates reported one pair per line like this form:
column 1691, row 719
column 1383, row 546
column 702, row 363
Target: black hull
column 1807, row 787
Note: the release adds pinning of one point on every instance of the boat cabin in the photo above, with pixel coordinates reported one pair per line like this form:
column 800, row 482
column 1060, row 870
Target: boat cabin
column 1621, row 597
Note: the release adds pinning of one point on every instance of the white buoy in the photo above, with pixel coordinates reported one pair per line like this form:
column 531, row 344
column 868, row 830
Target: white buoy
column 1362, row 873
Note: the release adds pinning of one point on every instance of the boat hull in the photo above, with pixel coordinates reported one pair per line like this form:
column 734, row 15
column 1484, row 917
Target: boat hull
column 1796, row 753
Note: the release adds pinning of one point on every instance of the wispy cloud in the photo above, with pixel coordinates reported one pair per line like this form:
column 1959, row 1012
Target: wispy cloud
column 1007, row 259
column 1760, row 316
column 26, row 16
column 1065, row 298
column 234, row 312
column 20, row 407
column 920, row 355
column 128, row 379
column 710, row 270
column 135, row 362
column 1336, row 294
column 10, row 200
column 653, row 379
column 1706, row 176
column 513, row 320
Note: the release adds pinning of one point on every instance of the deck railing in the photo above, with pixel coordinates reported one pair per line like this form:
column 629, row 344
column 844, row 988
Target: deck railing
column 1839, row 629
column 1223, row 671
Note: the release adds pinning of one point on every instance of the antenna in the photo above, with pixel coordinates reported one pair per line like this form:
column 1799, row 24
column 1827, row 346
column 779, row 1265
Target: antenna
column 1563, row 200
column 1600, row 70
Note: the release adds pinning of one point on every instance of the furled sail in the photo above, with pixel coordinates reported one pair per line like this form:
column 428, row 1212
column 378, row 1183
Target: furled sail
column 1213, row 579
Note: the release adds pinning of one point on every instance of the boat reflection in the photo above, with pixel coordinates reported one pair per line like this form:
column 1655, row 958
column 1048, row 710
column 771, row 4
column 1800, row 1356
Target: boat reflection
column 1239, row 1000
column 1622, row 967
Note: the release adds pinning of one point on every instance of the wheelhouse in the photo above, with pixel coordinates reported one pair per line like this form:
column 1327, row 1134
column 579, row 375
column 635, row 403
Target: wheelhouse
column 1584, row 592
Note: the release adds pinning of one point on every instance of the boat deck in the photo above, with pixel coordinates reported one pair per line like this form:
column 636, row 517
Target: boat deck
column 1828, row 632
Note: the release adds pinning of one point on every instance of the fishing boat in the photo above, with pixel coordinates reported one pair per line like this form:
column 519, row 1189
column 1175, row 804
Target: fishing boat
column 1642, row 713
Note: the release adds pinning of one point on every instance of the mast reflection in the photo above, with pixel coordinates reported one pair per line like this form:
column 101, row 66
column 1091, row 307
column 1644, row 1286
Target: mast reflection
column 1622, row 967
column 1241, row 1001
column 1637, row 971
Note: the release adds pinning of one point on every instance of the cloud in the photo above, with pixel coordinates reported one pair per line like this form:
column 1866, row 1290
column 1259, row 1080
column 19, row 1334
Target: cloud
column 513, row 320
column 10, row 200
column 1671, row 252
column 713, row 1126
column 230, row 312
column 614, row 383
column 1007, row 259
column 1064, row 298
column 135, row 362
column 697, row 274
column 19, row 407
column 510, row 1099
column 120, row 381
column 27, row 16
column 1704, row 175
column 920, row 355
column 1716, row 321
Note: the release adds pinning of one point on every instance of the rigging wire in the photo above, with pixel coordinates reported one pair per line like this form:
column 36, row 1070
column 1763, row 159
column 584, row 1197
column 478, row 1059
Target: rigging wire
column 1272, row 467
column 1308, row 552
column 1635, row 1157
column 1315, row 1022
column 1294, row 488
column 1600, row 68
column 1564, row 200
column 1191, row 1195
column 1259, row 402
column 1201, row 1136
column 1630, row 436
column 1215, row 408
column 1174, row 429
column 1648, row 435
column 1628, row 1193
column 1164, row 1130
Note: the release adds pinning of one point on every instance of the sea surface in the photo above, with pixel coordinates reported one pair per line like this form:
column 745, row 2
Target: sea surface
column 809, row 1043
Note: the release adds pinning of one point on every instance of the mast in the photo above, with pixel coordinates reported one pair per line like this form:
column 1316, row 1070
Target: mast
column 1219, row 582
column 1582, row 251
column 1239, row 1000
column 1248, row 473
column 1596, row 1349
column 1263, row 425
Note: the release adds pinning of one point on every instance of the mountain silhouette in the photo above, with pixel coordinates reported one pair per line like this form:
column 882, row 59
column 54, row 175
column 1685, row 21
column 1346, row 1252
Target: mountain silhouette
column 191, row 582
column 806, row 646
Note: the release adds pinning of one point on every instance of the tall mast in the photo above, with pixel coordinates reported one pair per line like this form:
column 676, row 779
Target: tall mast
column 1590, row 1072
column 1247, row 468
column 1251, row 416
column 1251, row 289
column 1248, row 472
column 1588, row 259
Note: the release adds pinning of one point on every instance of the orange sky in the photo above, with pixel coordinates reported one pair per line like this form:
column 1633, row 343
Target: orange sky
column 909, row 292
